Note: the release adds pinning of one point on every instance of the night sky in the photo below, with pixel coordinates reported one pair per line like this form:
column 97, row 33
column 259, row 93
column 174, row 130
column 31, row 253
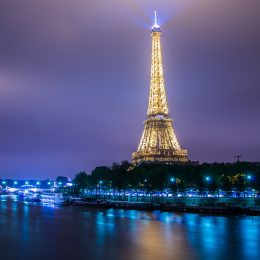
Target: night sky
column 74, row 81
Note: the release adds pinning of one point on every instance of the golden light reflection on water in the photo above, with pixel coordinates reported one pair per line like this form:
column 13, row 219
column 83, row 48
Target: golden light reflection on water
column 151, row 238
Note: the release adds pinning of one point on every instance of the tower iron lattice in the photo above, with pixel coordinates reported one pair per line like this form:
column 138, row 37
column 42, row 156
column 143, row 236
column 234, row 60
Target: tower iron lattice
column 158, row 142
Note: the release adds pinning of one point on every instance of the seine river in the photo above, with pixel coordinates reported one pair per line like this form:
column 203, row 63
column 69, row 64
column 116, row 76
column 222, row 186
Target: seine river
column 33, row 231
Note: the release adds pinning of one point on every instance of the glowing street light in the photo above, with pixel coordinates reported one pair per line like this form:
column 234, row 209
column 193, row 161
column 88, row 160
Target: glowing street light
column 27, row 182
column 49, row 183
column 38, row 183
column 249, row 177
column 15, row 182
column 172, row 179
column 207, row 178
column 3, row 182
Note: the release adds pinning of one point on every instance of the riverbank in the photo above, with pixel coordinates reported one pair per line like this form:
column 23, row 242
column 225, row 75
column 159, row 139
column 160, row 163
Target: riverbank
column 181, row 205
column 221, row 209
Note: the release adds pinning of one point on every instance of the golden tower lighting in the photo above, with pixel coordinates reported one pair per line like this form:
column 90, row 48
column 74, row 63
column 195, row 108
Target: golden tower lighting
column 159, row 142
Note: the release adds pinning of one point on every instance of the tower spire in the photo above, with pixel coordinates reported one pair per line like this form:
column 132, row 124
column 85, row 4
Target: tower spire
column 155, row 25
column 157, row 98
column 159, row 142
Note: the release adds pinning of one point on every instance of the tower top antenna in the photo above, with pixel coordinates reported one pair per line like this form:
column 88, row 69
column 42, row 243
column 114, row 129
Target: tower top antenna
column 238, row 157
column 155, row 25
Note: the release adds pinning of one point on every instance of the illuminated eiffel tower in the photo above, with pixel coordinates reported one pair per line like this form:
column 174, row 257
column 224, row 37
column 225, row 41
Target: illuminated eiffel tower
column 159, row 142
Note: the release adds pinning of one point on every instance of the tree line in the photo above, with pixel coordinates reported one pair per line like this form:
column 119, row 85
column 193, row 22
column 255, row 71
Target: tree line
column 157, row 177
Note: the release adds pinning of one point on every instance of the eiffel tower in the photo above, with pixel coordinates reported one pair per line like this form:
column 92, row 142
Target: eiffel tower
column 159, row 142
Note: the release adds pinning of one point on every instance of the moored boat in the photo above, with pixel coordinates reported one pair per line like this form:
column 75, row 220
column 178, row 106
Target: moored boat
column 55, row 198
column 32, row 197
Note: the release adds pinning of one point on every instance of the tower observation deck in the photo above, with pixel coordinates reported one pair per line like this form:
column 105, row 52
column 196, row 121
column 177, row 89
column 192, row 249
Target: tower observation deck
column 158, row 142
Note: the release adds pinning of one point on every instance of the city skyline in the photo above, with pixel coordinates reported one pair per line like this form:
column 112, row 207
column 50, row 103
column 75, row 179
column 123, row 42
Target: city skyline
column 74, row 82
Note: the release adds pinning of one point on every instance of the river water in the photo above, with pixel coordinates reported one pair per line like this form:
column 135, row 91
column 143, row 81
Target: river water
column 34, row 231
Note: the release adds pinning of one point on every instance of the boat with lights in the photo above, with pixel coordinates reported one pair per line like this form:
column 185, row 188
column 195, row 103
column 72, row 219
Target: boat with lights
column 55, row 198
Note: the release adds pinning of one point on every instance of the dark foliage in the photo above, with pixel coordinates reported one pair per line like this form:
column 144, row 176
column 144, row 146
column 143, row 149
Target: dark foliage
column 151, row 177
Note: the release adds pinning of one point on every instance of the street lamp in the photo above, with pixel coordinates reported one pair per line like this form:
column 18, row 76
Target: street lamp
column 172, row 179
column 100, row 187
column 207, row 178
column 38, row 183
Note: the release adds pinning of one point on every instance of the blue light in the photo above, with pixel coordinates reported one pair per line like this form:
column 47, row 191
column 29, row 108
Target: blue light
column 49, row 183
column 155, row 25
column 207, row 178
column 37, row 183
column 4, row 182
column 15, row 182
column 100, row 182
column 172, row 179
column 249, row 177
column 60, row 183
column 27, row 182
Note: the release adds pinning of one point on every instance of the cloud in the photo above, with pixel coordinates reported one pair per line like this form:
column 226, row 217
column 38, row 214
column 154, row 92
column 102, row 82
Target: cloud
column 74, row 80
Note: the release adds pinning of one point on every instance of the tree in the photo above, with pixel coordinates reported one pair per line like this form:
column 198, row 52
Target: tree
column 81, row 180
column 238, row 181
column 62, row 179
column 101, row 173
column 225, row 183
column 200, row 183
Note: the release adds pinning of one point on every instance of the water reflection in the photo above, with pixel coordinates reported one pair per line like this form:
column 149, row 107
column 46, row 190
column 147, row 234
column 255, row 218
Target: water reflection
column 43, row 232
column 250, row 234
